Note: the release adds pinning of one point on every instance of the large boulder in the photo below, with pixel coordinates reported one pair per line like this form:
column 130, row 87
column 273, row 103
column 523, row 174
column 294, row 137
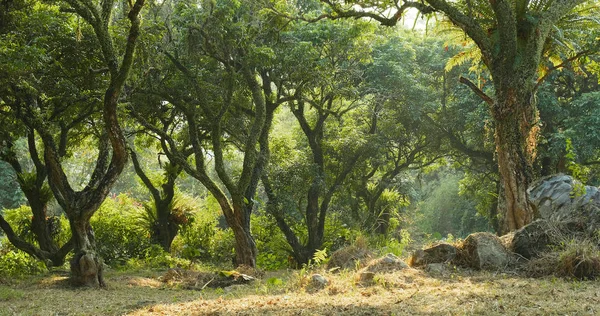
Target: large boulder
column 483, row 251
column 539, row 236
column 560, row 198
column 565, row 208
column 534, row 239
column 439, row 253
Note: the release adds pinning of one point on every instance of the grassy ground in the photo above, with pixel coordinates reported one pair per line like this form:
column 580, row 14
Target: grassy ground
column 405, row 292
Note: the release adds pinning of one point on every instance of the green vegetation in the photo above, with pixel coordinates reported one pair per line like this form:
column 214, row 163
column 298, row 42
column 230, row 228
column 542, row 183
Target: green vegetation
column 153, row 143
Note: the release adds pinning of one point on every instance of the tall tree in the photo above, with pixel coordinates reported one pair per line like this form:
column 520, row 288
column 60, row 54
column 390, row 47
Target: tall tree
column 164, row 223
column 325, row 91
column 36, row 109
column 33, row 184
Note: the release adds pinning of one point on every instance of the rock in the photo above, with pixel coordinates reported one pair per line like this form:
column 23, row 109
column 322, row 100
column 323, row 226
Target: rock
column 366, row 277
column 533, row 239
column 556, row 200
column 319, row 280
column 439, row 253
column 539, row 236
column 436, row 268
column 483, row 251
column 388, row 263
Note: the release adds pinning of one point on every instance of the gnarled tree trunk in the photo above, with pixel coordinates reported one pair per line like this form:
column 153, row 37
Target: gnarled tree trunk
column 86, row 265
column 515, row 116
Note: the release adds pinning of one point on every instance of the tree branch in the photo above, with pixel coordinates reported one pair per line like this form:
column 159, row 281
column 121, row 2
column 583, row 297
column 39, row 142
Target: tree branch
column 477, row 91
column 561, row 65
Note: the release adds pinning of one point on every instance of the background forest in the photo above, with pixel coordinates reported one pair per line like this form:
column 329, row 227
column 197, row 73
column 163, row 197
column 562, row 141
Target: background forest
column 238, row 133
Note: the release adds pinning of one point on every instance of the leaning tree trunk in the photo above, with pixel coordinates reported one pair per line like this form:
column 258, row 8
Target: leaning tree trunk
column 515, row 117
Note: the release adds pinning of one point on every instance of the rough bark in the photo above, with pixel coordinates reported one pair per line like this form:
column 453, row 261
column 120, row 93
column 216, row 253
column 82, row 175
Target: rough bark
column 516, row 140
column 86, row 265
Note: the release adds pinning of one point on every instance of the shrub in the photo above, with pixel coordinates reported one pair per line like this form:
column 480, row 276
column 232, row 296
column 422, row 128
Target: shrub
column 119, row 237
column 15, row 263
column 203, row 240
column 273, row 249
column 575, row 258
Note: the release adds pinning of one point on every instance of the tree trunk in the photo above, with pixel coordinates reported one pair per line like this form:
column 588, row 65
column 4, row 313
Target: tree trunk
column 41, row 227
column 245, row 247
column 86, row 265
column 165, row 229
column 516, row 140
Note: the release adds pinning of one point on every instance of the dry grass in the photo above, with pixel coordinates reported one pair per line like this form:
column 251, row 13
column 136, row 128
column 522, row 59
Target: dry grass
column 578, row 259
column 404, row 292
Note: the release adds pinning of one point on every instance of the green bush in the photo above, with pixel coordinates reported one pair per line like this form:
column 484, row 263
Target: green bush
column 392, row 245
column 156, row 258
column 119, row 235
column 203, row 240
column 15, row 263
column 273, row 250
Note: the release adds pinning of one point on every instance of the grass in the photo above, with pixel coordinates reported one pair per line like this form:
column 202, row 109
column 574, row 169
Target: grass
column 405, row 292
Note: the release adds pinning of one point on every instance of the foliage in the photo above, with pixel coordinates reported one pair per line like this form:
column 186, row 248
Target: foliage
column 273, row 251
column 20, row 220
column 577, row 171
column 10, row 195
column 15, row 263
column 119, row 236
column 203, row 239
column 156, row 258
column 443, row 211
column 394, row 245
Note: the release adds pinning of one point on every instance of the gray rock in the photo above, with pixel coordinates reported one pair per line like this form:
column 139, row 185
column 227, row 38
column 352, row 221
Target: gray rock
column 390, row 258
column 366, row 277
column 319, row 280
column 388, row 263
column 484, row 251
column 439, row 253
column 556, row 200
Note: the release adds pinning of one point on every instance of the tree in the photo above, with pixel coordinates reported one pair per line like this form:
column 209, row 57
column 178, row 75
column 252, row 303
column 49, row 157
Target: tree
column 162, row 217
column 33, row 185
column 324, row 92
column 214, row 87
column 404, row 89
column 512, row 37
column 32, row 104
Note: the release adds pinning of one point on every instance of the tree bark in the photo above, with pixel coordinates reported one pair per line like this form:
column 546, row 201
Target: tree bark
column 86, row 265
column 515, row 116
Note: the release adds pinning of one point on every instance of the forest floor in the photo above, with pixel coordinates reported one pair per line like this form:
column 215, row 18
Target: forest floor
column 404, row 292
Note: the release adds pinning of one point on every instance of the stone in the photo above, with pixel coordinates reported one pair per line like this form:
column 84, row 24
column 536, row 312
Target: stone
column 435, row 268
column 366, row 277
column 349, row 257
column 483, row 251
column 387, row 263
column 319, row 280
column 439, row 253
column 556, row 200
